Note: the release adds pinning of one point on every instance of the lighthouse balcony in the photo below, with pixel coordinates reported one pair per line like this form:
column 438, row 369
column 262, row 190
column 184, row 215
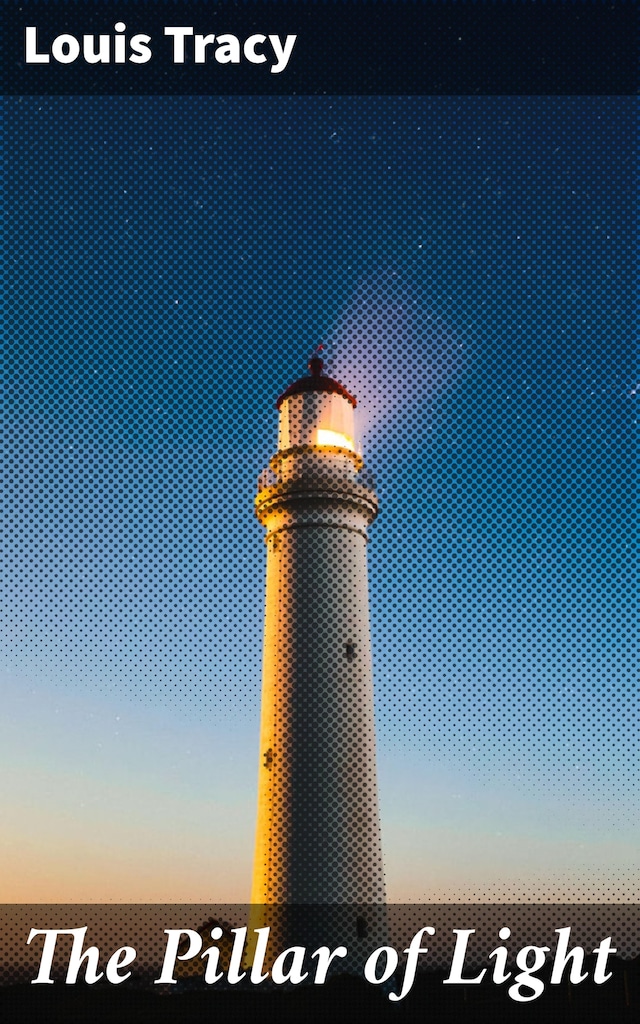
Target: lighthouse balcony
column 316, row 500
column 318, row 474
column 267, row 478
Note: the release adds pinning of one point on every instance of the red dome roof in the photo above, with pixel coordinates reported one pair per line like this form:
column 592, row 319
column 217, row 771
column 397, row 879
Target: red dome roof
column 316, row 381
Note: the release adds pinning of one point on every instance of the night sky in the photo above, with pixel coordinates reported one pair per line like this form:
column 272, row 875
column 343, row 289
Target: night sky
column 469, row 265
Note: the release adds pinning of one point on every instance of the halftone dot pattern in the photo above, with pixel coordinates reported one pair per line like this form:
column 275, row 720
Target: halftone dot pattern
column 468, row 263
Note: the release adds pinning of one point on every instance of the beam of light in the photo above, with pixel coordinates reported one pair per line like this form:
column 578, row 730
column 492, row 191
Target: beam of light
column 393, row 350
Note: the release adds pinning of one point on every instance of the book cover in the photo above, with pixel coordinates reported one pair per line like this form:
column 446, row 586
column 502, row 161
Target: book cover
column 438, row 201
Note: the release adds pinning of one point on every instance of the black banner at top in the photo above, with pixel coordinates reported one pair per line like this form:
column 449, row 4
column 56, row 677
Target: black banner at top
column 296, row 47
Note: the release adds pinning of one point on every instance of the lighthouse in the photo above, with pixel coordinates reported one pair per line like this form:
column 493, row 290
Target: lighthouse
column 318, row 832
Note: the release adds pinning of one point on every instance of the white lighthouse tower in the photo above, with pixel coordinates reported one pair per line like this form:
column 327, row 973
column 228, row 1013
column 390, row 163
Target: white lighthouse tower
column 318, row 833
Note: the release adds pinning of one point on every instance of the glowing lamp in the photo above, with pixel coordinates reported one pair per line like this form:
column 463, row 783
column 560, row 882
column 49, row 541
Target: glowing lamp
column 334, row 437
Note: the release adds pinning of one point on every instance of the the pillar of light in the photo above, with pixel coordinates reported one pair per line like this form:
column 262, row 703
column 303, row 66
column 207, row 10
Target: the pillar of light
column 318, row 833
